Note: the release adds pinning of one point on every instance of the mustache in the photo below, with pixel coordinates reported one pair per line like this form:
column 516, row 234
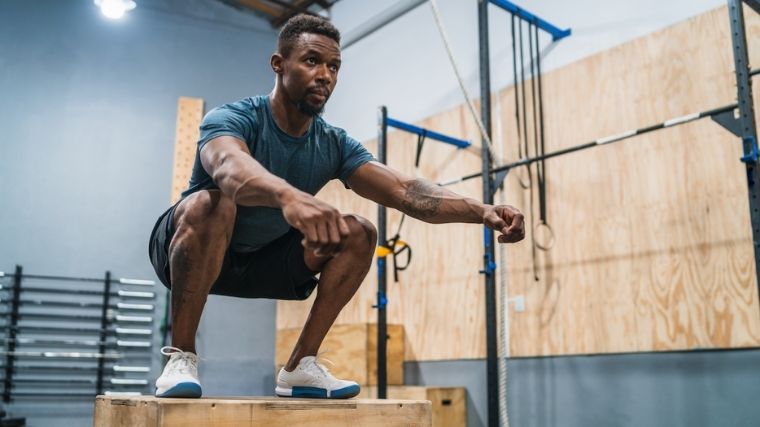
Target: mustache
column 319, row 90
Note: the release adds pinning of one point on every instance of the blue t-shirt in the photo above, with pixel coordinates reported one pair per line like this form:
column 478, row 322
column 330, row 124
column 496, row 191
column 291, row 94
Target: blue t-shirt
column 307, row 162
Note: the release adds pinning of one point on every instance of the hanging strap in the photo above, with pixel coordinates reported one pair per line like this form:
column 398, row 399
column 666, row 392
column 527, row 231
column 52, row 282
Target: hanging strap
column 420, row 143
column 540, row 147
column 396, row 248
column 517, row 93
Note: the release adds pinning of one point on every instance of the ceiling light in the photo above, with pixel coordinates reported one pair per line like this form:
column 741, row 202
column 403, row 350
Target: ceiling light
column 115, row 9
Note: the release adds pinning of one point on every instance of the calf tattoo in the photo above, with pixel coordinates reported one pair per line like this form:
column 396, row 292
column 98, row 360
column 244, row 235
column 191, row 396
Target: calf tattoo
column 422, row 199
column 180, row 272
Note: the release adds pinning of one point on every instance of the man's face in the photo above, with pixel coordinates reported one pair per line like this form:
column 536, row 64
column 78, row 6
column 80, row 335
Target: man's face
column 310, row 72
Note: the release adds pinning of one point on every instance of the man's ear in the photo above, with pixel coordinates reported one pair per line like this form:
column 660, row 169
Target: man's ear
column 277, row 62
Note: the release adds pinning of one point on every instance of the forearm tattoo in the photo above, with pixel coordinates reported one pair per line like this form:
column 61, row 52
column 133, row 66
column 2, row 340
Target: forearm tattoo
column 422, row 199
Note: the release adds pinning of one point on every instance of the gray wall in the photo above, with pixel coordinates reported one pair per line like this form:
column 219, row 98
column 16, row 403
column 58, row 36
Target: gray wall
column 694, row 389
column 87, row 112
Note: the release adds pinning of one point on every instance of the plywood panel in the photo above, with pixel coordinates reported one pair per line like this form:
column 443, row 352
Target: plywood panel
column 449, row 404
column 189, row 116
column 653, row 246
column 653, row 241
column 352, row 351
column 148, row 411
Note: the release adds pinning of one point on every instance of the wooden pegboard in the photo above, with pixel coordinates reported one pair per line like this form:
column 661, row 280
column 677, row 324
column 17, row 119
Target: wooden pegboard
column 189, row 116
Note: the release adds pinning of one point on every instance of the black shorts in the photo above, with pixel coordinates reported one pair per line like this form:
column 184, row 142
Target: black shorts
column 276, row 271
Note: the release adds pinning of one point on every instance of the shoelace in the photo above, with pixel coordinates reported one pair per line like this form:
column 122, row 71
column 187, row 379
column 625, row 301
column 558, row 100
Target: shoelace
column 186, row 363
column 320, row 368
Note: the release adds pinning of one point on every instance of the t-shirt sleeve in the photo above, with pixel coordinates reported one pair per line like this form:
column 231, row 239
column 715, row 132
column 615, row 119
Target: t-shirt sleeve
column 353, row 155
column 225, row 121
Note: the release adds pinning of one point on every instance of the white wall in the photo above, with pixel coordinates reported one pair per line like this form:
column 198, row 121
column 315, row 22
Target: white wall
column 404, row 65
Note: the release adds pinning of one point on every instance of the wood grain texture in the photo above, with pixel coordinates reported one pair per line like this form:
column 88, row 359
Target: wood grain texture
column 653, row 246
column 189, row 116
column 449, row 404
column 352, row 351
column 148, row 411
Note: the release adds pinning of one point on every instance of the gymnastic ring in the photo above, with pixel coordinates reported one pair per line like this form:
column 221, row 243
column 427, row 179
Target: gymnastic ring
column 550, row 243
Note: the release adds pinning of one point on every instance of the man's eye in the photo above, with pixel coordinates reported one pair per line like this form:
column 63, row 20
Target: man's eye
column 334, row 68
column 311, row 61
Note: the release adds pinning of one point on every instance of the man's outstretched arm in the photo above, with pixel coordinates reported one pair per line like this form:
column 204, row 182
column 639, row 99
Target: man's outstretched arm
column 432, row 203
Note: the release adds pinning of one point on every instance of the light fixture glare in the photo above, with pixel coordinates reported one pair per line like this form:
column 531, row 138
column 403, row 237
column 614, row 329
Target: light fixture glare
column 115, row 9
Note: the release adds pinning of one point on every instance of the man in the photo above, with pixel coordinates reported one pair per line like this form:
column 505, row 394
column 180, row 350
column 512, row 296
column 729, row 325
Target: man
column 248, row 225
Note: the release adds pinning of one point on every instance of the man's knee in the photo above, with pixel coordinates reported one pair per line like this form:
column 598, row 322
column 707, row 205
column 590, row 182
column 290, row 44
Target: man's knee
column 206, row 210
column 361, row 231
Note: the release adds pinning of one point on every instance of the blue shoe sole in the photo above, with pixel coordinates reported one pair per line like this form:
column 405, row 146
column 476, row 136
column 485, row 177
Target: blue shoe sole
column 320, row 393
column 189, row 390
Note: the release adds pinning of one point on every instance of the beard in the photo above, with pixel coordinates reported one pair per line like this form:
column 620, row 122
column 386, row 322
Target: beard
column 309, row 109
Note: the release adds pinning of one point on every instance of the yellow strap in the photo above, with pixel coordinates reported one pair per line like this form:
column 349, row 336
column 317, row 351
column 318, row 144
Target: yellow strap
column 383, row 251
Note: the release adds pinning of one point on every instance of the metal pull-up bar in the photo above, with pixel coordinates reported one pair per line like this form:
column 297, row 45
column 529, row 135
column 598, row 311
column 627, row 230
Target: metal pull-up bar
column 426, row 133
column 601, row 141
column 523, row 14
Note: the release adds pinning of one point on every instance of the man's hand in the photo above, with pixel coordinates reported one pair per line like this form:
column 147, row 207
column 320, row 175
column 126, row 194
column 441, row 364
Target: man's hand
column 322, row 225
column 507, row 220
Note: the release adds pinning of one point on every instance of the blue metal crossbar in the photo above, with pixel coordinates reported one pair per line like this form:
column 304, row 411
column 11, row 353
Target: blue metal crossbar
column 427, row 133
column 529, row 17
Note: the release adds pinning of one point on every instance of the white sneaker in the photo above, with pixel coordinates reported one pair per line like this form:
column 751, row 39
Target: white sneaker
column 180, row 376
column 311, row 379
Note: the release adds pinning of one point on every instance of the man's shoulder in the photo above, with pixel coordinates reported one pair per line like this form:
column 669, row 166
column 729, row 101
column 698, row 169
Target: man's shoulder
column 244, row 106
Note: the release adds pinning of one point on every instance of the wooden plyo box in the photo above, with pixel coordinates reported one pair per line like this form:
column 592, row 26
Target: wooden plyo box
column 449, row 404
column 149, row 411
column 353, row 351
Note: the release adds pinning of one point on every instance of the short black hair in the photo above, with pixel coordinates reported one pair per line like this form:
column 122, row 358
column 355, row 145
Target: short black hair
column 303, row 23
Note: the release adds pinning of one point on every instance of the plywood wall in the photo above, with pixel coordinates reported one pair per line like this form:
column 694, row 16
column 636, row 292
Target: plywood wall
column 653, row 245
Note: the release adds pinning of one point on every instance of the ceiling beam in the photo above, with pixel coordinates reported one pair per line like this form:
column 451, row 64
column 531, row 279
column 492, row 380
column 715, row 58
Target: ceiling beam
column 283, row 3
column 300, row 6
column 323, row 4
column 267, row 9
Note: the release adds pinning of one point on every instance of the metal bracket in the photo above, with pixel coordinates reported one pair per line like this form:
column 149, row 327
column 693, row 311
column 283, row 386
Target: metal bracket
column 753, row 155
column 754, row 4
column 523, row 14
column 382, row 301
column 498, row 180
column 519, row 302
column 729, row 122
column 490, row 266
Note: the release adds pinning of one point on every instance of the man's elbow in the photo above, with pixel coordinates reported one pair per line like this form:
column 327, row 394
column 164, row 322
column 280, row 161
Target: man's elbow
column 225, row 180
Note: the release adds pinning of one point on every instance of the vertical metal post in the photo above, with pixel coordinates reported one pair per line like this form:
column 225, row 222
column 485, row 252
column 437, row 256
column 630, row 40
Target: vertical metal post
column 103, row 330
column 382, row 332
column 746, row 122
column 12, row 328
column 488, row 239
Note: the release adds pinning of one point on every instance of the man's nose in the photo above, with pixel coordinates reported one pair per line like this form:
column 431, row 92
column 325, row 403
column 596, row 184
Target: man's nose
column 323, row 74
